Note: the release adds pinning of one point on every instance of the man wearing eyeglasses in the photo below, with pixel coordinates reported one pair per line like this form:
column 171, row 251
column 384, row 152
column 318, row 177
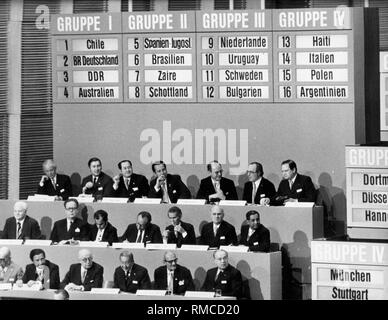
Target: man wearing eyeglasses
column 215, row 187
column 70, row 229
column 258, row 190
column 173, row 277
column 10, row 272
column 85, row 275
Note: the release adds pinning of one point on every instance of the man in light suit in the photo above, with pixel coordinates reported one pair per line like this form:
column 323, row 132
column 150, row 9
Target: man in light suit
column 258, row 190
column 130, row 277
column 215, row 187
column 85, row 275
column 54, row 184
column 72, row 228
column 294, row 187
column 143, row 231
column 41, row 271
column 21, row 226
column 97, row 183
column 254, row 234
column 129, row 184
column 223, row 277
column 169, row 188
column 9, row 271
column 172, row 276
column 102, row 230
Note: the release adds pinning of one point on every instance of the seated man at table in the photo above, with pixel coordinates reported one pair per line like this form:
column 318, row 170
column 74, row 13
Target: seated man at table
column 169, row 188
column 102, row 230
column 254, row 234
column 41, row 271
column 294, row 187
column 70, row 229
column 258, row 190
column 215, row 187
column 172, row 276
column 53, row 183
column 21, row 226
column 218, row 232
column 85, row 275
column 97, row 183
column 9, row 271
column 129, row 277
column 224, row 277
column 178, row 232
column 143, row 231
column 129, row 184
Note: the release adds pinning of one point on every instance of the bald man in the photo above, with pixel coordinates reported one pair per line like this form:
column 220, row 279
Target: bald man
column 54, row 184
column 85, row 275
column 21, row 226
column 215, row 187
column 129, row 276
column 172, row 276
column 9, row 271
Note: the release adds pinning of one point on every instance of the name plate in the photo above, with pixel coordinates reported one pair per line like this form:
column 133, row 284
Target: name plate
column 41, row 197
column 5, row 286
column 94, row 244
column 299, row 204
column 194, row 247
column 87, row 198
column 128, row 245
column 114, row 200
column 105, row 290
column 161, row 246
column 147, row 200
column 234, row 248
column 192, row 201
column 31, row 242
column 11, row 241
column 151, row 292
column 199, row 294
column 240, row 203
column 25, row 287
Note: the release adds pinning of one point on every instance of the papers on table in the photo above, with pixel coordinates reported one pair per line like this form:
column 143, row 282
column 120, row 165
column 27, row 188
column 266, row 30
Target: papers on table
column 199, row 294
column 114, row 200
column 86, row 198
column 299, row 204
column 161, row 246
column 148, row 200
column 128, row 245
column 25, row 287
column 93, row 244
column 151, row 292
column 5, row 286
column 234, row 248
column 41, row 197
column 233, row 203
column 11, row 241
column 32, row 242
column 194, row 247
column 192, row 201
column 105, row 290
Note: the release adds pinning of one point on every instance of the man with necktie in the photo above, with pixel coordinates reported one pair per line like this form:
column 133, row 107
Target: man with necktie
column 173, row 277
column 10, row 272
column 102, row 230
column 294, row 187
column 215, row 187
column 21, row 226
column 168, row 187
column 254, row 234
column 258, row 190
column 85, row 275
column 129, row 276
column 223, row 277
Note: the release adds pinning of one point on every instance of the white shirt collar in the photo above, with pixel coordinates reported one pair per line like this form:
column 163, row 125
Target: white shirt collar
column 257, row 182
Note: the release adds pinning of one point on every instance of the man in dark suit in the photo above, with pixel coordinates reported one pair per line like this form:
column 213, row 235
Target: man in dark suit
column 178, row 232
column 224, row 277
column 85, row 275
column 169, row 188
column 71, row 228
column 53, row 184
column 218, row 232
column 97, row 183
column 42, row 271
column 215, row 187
column 102, row 230
column 129, row 277
column 10, row 272
column 143, row 231
column 172, row 276
column 254, row 234
column 294, row 187
column 258, row 190
column 21, row 226
column 128, row 184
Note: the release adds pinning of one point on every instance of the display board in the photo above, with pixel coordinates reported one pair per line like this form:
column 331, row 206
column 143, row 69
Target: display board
column 246, row 56
column 366, row 191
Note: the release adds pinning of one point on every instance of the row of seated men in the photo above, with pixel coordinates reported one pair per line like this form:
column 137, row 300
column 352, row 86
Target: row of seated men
column 128, row 276
column 71, row 229
column 169, row 187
